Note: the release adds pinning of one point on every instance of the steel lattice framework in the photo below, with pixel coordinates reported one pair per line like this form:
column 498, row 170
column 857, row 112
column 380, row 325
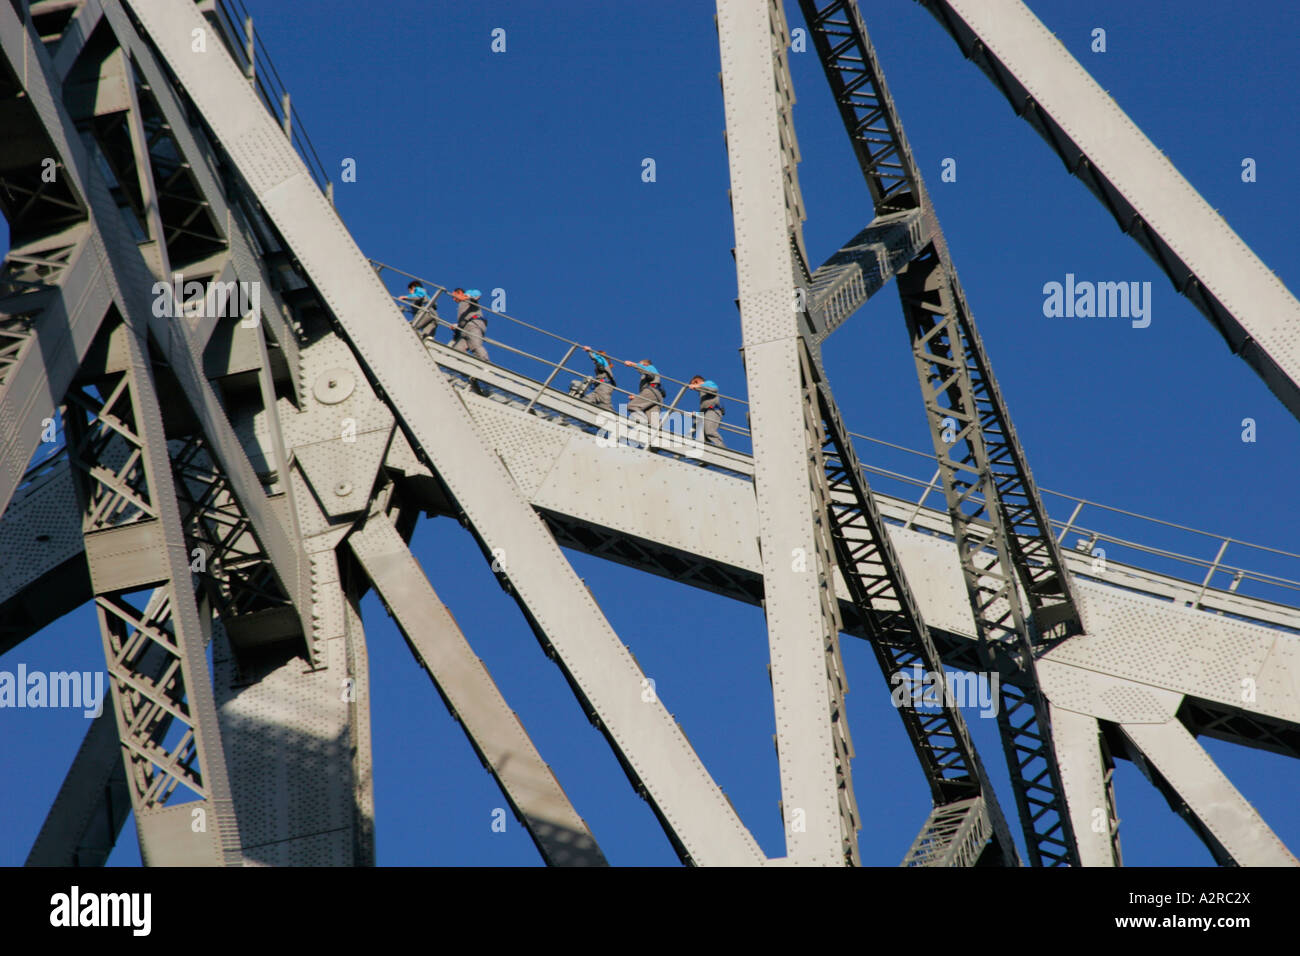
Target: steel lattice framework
column 240, row 482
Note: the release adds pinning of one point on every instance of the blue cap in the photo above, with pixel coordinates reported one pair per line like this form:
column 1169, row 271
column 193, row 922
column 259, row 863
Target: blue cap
column 473, row 293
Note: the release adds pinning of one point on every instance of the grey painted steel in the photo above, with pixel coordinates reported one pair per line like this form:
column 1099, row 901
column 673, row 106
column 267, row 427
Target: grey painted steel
column 1209, row 795
column 955, row 834
column 1005, row 541
column 1205, row 259
column 362, row 764
column 40, row 538
column 1085, row 778
column 192, row 147
column 885, row 609
column 1141, row 627
column 690, row 804
column 802, row 620
column 75, row 35
column 290, row 733
column 139, row 702
column 561, row 835
column 845, row 281
column 34, row 378
column 47, row 358
column 531, row 446
column 92, row 804
column 1159, row 671
column 130, row 283
column 42, row 370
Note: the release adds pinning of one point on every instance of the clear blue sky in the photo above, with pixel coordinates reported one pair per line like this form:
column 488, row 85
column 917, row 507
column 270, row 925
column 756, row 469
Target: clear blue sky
column 522, row 171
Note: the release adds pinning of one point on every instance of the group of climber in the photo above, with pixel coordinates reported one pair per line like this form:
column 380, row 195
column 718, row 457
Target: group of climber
column 471, row 327
column 650, row 392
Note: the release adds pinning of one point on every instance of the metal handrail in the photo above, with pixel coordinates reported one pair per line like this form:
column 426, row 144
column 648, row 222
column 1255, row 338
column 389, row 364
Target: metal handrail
column 250, row 53
column 381, row 267
column 235, row 20
column 1211, row 566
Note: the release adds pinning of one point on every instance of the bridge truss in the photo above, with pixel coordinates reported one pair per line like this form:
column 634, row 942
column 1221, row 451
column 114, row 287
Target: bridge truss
column 235, row 486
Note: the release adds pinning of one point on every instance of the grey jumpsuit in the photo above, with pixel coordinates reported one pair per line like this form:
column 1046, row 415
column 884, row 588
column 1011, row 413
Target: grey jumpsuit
column 711, row 415
column 470, row 329
column 651, row 394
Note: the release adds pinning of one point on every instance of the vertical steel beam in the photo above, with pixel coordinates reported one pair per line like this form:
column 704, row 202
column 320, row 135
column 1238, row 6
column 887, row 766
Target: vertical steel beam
column 799, row 601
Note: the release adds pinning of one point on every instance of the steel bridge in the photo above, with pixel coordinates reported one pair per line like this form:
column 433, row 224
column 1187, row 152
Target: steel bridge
column 242, row 482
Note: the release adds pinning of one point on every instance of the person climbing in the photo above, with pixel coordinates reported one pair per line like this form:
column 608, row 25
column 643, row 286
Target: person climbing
column 650, row 394
column 602, row 388
column 470, row 324
column 711, row 410
column 424, row 314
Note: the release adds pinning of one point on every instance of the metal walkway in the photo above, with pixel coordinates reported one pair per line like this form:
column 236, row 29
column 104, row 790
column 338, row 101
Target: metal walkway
column 237, row 482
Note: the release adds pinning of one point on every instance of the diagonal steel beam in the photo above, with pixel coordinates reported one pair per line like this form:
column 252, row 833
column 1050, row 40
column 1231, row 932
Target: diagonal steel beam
column 91, row 806
column 131, row 285
column 955, row 834
column 34, row 384
column 860, row 269
column 1194, row 785
column 1151, row 201
column 886, row 610
column 463, row 682
column 1003, row 536
column 166, row 633
column 657, row 755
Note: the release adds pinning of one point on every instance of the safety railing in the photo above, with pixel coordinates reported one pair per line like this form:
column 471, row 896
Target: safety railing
column 1213, row 570
column 545, row 370
column 251, row 55
column 1103, row 533
column 1108, row 535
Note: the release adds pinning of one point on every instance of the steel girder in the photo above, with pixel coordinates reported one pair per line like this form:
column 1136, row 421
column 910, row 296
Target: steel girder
column 999, row 522
column 714, row 547
column 1199, row 792
column 888, row 613
column 1151, row 201
column 463, row 682
column 943, row 837
column 845, row 281
column 51, row 287
column 955, row 834
column 803, row 624
column 127, row 282
column 696, row 814
column 1086, row 772
column 124, row 281
column 134, row 542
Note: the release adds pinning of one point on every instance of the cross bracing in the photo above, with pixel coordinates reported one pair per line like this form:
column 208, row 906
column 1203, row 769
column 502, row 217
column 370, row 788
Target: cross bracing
column 291, row 521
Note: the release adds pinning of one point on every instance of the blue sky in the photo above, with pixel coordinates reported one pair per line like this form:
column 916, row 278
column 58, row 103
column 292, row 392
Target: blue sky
column 522, row 171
